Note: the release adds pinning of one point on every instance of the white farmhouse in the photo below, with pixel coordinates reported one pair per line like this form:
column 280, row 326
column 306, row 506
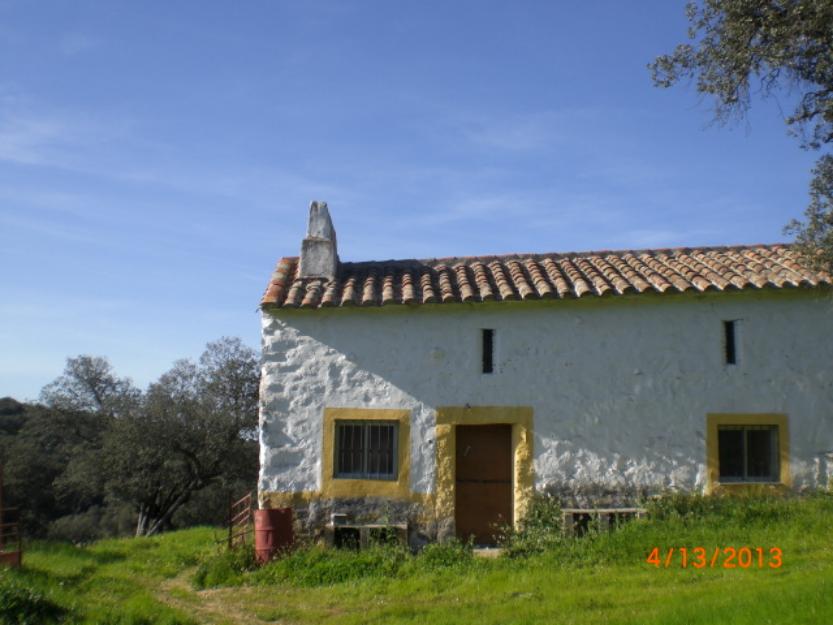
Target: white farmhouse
column 445, row 392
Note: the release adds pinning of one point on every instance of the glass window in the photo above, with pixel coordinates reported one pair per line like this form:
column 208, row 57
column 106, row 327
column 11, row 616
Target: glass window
column 366, row 449
column 748, row 453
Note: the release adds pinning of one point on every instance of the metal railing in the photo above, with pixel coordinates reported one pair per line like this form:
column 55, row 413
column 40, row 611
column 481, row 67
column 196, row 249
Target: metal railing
column 11, row 548
column 240, row 521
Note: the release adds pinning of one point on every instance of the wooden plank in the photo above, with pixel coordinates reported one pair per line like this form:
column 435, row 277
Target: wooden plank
column 602, row 510
column 483, row 481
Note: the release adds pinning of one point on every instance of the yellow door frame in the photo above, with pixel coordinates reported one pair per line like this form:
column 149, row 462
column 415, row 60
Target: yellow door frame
column 519, row 417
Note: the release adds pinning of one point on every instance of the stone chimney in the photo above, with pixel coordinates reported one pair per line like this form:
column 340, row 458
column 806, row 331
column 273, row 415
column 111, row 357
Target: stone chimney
column 319, row 256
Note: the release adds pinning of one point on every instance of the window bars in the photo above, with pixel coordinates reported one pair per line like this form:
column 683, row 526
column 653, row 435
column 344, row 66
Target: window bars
column 366, row 449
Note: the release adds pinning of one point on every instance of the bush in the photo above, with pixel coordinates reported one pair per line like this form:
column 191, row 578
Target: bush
column 225, row 568
column 317, row 566
column 539, row 531
column 94, row 523
column 755, row 505
column 447, row 554
column 23, row 605
column 77, row 528
column 311, row 566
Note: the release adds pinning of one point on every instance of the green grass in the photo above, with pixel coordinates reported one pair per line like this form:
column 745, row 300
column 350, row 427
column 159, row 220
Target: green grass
column 113, row 581
column 603, row 578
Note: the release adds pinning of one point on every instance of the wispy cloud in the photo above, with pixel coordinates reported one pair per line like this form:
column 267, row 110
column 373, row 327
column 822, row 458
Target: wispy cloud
column 657, row 237
column 50, row 229
column 75, row 43
column 515, row 133
column 41, row 306
column 118, row 150
column 29, row 141
column 524, row 132
column 31, row 137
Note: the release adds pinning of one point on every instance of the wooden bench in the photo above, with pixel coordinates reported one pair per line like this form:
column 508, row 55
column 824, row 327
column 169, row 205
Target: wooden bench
column 364, row 534
column 576, row 521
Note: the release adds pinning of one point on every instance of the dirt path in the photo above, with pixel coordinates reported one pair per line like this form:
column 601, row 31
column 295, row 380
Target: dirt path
column 208, row 607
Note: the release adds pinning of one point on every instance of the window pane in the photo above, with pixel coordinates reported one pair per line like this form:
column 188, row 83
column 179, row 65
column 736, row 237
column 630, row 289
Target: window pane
column 350, row 446
column 373, row 449
column 730, row 453
column 387, row 466
column 380, row 438
column 365, row 449
column 357, row 455
column 761, row 454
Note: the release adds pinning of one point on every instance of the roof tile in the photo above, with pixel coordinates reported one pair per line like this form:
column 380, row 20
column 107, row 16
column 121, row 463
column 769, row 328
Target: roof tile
column 533, row 276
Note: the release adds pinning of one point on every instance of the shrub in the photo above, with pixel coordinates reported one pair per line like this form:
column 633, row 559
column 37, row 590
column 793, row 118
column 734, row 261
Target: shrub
column 540, row 529
column 225, row 568
column 77, row 528
column 22, row 605
column 447, row 554
column 752, row 505
column 317, row 566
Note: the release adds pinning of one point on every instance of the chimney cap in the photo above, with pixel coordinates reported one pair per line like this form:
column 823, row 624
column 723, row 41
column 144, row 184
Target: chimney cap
column 319, row 253
column 320, row 224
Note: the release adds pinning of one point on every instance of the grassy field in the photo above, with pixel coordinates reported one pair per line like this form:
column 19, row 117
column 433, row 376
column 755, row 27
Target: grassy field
column 180, row 578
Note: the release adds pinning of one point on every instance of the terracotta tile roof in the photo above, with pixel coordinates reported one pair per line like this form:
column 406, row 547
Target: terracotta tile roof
column 543, row 276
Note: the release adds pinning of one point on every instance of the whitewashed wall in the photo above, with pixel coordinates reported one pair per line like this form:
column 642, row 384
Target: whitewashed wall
column 620, row 387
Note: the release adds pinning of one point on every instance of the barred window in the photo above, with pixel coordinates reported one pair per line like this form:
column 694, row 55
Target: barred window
column 366, row 449
column 748, row 453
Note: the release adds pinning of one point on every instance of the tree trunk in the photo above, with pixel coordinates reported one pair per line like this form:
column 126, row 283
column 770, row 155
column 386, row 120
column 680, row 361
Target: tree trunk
column 159, row 523
column 142, row 523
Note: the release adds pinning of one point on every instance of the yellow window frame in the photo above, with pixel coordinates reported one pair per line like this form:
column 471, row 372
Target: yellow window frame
column 713, row 423
column 332, row 486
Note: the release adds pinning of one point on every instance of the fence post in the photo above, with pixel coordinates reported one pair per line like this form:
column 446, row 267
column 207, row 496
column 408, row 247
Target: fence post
column 2, row 528
column 230, row 513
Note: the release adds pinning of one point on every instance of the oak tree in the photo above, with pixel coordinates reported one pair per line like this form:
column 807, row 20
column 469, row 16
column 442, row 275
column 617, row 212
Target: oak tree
column 194, row 427
column 770, row 46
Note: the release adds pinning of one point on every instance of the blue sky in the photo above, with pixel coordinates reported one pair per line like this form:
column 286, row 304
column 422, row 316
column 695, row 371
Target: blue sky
column 156, row 158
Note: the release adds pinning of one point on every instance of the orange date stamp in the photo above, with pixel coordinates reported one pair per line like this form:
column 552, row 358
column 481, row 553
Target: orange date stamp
column 717, row 558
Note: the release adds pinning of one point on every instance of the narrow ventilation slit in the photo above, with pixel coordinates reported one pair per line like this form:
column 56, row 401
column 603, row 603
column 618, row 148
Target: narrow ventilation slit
column 488, row 350
column 729, row 342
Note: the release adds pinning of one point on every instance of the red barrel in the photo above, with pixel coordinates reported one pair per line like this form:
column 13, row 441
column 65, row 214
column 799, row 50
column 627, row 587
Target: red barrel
column 273, row 532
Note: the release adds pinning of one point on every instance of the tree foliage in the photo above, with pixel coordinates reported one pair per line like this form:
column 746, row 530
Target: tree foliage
column 814, row 236
column 90, row 384
column 776, row 46
column 41, row 460
column 192, row 429
column 98, row 450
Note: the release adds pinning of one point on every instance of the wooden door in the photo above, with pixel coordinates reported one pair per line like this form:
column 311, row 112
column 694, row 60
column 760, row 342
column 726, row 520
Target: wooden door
column 483, row 487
